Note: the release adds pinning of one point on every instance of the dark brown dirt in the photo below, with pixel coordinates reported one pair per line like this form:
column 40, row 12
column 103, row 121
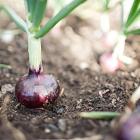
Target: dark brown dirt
column 84, row 90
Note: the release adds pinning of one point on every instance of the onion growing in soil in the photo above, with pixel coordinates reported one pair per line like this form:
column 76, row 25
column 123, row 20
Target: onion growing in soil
column 110, row 63
column 130, row 129
column 129, row 125
column 36, row 88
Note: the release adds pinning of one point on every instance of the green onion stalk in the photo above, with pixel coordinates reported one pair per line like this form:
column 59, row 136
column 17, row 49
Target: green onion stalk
column 36, row 89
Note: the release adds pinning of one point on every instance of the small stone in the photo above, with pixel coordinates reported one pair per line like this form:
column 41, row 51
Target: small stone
column 52, row 127
column 130, row 84
column 10, row 48
column 113, row 102
column 7, row 88
column 133, row 74
column 47, row 130
column 79, row 101
column 17, row 106
column 103, row 92
column 7, row 37
column 1, row 94
column 84, row 65
column 7, row 75
column 34, row 120
column 62, row 125
column 46, row 120
column 78, row 107
column 61, row 110
column 136, row 73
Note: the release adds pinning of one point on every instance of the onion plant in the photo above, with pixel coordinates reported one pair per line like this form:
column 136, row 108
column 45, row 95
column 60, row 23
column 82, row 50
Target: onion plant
column 36, row 89
column 129, row 124
column 113, row 61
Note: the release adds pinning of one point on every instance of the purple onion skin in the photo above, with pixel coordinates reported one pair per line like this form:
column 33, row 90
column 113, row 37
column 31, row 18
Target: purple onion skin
column 36, row 89
column 130, row 129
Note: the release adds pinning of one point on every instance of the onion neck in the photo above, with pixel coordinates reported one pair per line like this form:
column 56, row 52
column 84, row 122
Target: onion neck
column 120, row 46
column 34, row 50
column 104, row 22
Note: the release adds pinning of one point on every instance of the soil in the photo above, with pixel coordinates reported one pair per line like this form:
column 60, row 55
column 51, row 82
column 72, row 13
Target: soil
column 84, row 90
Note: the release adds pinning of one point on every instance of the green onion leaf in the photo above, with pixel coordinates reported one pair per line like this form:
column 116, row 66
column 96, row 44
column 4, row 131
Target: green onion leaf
column 32, row 5
column 99, row 115
column 106, row 5
column 133, row 32
column 5, row 66
column 27, row 3
column 19, row 21
column 134, row 12
column 63, row 13
column 38, row 14
column 133, row 19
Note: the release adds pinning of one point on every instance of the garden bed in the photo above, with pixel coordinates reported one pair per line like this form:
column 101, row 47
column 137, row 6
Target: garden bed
column 84, row 90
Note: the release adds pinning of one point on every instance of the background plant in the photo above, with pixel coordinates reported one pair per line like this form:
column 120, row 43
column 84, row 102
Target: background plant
column 128, row 27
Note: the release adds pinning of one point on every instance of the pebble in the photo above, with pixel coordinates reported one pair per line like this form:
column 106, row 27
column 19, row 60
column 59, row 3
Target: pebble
column 7, row 88
column 62, row 125
column 10, row 48
column 114, row 102
column 7, row 75
column 103, row 123
column 79, row 101
column 17, row 106
column 52, row 127
column 34, row 120
column 78, row 107
column 7, row 37
column 47, row 130
column 83, row 65
column 61, row 110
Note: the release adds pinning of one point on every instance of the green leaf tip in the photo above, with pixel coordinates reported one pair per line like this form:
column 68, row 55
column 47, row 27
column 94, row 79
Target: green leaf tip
column 5, row 66
column 99, row 115
column 58, row 17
